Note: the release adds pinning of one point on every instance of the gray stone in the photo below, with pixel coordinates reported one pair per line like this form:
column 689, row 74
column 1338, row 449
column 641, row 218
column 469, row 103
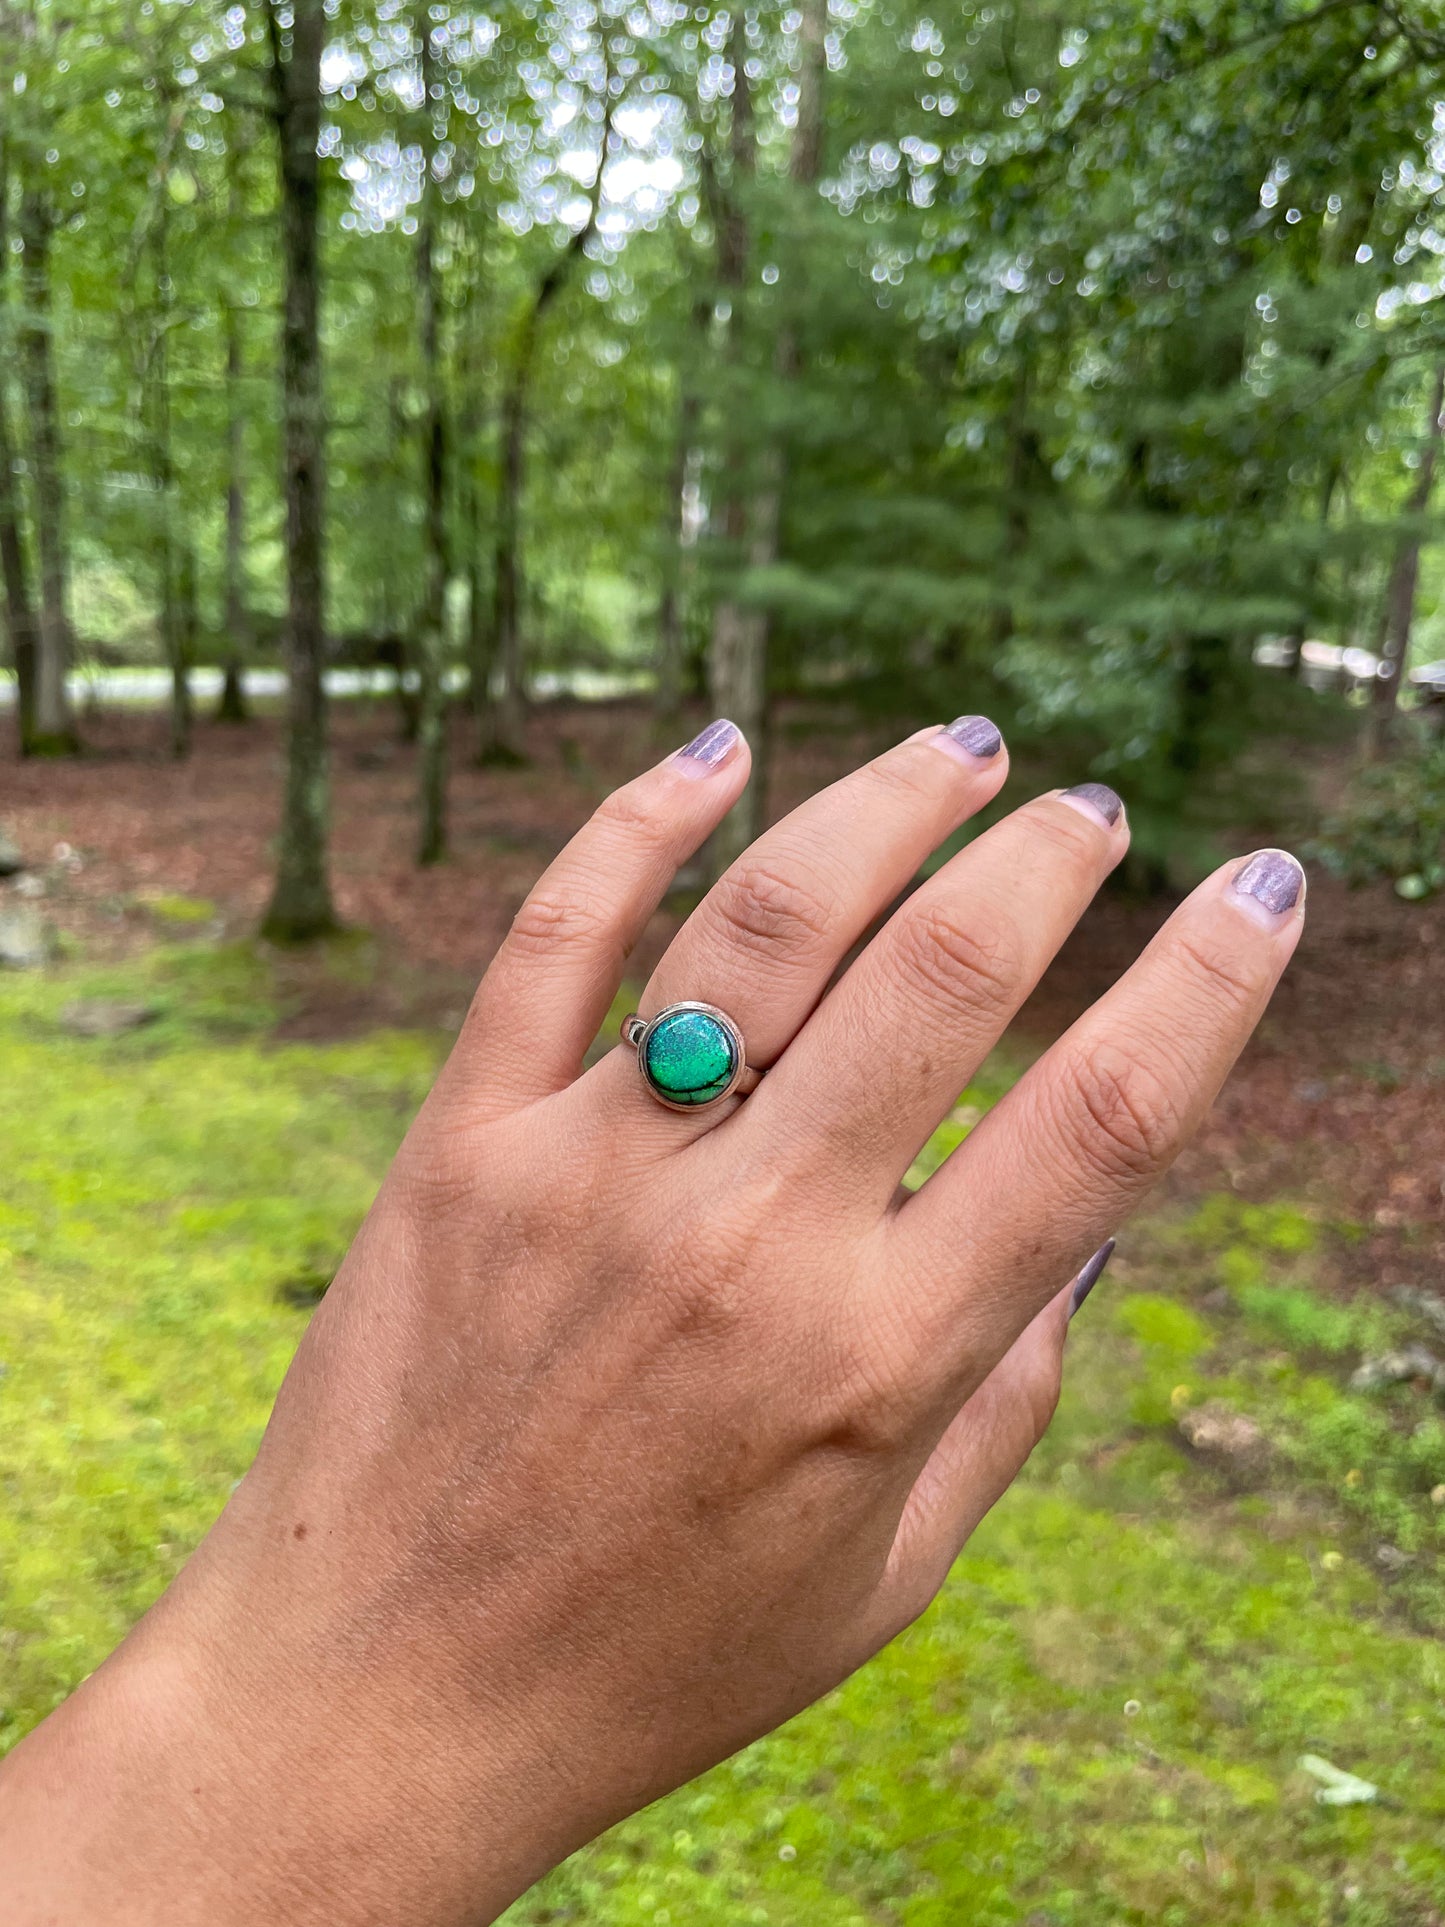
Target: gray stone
column 24, row 941
column 1411, row 1362
column 11, row 861
column 105, row 1017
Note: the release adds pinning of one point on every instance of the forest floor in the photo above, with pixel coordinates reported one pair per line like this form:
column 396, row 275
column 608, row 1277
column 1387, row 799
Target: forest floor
column 1068, row 1739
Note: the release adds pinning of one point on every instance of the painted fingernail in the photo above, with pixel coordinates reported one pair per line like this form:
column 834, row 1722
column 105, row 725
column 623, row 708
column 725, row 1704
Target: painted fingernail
column 971, row 739
column 713, row 746
column 1091, row 1274
column 1271, row 878
column 1095, row 800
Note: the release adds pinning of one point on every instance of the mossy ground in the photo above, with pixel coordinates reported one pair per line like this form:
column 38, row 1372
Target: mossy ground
column 1098, row 1723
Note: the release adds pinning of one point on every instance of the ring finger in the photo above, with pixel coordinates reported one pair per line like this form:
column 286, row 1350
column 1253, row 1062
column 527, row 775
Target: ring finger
column 769, row 935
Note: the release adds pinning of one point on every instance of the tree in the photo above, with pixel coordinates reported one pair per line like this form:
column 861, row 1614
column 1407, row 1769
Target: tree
column 20, row 619
column 300, row 907
column 504, row 740
column 1405, row 572
column 432, row 715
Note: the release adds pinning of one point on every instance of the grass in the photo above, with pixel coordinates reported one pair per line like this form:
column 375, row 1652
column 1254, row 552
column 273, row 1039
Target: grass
column 1100, row 1721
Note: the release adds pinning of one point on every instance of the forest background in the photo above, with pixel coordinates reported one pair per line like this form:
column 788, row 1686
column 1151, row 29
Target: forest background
column 413, row 417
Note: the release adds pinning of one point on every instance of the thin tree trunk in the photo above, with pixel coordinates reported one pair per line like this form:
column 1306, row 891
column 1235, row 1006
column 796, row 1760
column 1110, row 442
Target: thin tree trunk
column 737, row 667
column 300, row 906
column 1404, row 580
column 54, row 730
column 479, row 610
column 20, row 619
column 431, row 706
column 504, row 720
column 236, row 612
column 177, row 634
column 1298, row 636
column 681, row 487
column 738, row 663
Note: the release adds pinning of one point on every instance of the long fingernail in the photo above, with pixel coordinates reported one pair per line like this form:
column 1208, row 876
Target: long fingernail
column 1094, row 800
column 972, row 739
column 713, row 746
column 1272, row 880
column 1091, row 1274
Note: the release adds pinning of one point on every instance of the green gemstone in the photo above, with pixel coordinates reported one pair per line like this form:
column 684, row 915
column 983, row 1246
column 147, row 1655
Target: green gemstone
column 690, row 1058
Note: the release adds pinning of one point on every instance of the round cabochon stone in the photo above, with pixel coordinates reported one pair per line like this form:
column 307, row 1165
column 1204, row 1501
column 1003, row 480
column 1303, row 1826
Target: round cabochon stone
column 690, row 1058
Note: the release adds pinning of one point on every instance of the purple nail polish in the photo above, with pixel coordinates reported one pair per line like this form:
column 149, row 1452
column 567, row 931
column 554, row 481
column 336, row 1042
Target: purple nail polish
column 1100, row 797
column 975, row 734
column 1091, row 1274
column 1273, row 878
column 710, row 748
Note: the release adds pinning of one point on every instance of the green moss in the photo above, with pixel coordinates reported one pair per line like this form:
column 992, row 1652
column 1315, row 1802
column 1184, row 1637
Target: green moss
column 1097, row 1725
column 181, row 911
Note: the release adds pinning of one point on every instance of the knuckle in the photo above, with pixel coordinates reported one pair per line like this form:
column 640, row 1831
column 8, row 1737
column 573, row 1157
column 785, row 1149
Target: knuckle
column 768, row 910
column 627, row 812
column 1225, row 977
column 1040, row 1393
column 1121, row 1115
column 907, row 776
column 548, row 922
column 866, row 1411
column 973, row 959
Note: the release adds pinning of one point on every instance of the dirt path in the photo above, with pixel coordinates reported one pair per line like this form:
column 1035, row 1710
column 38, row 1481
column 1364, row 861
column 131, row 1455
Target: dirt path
column 1341, row 1099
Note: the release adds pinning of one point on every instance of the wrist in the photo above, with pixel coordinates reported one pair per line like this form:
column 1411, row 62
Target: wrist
column 231, row 1762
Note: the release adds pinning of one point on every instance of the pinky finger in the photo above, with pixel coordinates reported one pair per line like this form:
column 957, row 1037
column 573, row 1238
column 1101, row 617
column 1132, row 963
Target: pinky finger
column 978, row 1458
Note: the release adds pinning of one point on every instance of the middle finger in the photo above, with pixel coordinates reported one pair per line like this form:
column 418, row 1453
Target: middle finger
column 764, row 942
column 902, row 1034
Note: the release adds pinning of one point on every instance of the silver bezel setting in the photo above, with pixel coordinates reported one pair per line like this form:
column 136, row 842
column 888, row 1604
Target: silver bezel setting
column 637, row 1032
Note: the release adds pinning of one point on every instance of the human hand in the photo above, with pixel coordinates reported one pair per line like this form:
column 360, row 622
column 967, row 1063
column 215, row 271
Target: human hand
column 625, row 1433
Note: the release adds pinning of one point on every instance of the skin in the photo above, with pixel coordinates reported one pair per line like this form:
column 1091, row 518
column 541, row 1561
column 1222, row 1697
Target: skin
column 623, row 1434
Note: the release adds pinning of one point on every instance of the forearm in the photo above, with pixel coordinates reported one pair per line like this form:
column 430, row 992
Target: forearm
column 205, row 1775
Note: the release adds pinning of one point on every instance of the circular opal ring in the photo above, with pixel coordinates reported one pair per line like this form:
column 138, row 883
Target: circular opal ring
column 690, row 1055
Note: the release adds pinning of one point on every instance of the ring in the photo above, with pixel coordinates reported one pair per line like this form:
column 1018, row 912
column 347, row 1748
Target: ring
column 690, row 1055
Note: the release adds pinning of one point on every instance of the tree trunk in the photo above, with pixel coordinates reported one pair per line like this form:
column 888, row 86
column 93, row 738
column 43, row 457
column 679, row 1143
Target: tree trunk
column 737, row 658
column 681, row 541
column 300, row 906
column 20, row 619
column 1404, row 580
column 236, row 612
column 1298, row 636
column 738, row 661
column 54, row 730
column 503, row 738
column 177, row 631
column 431, row 707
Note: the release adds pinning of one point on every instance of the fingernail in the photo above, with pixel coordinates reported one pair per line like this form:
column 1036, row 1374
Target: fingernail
column 1091, row 1274
column 970, row 739
column 1095, row 800
column 713, row 746
column 1271, row 878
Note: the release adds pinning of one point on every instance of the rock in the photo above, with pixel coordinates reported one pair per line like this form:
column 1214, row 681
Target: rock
column 1391, row 1559
column 1217, row 1429
column 1427, row 1304
column 105, row 1017
column 29, row 885
column 24, row 940
column 11, row 861
column 1396, row 1368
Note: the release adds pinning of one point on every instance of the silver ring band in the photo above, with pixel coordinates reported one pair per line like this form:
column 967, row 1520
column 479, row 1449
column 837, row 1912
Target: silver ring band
column 690, row 1056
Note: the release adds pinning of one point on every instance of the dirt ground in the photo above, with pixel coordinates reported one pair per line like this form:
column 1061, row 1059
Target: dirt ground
column 1340, row 1099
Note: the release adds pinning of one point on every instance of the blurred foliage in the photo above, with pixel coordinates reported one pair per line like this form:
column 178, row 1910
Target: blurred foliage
column 1100, row 1721
column 1099, row 352
column 1393, row 822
